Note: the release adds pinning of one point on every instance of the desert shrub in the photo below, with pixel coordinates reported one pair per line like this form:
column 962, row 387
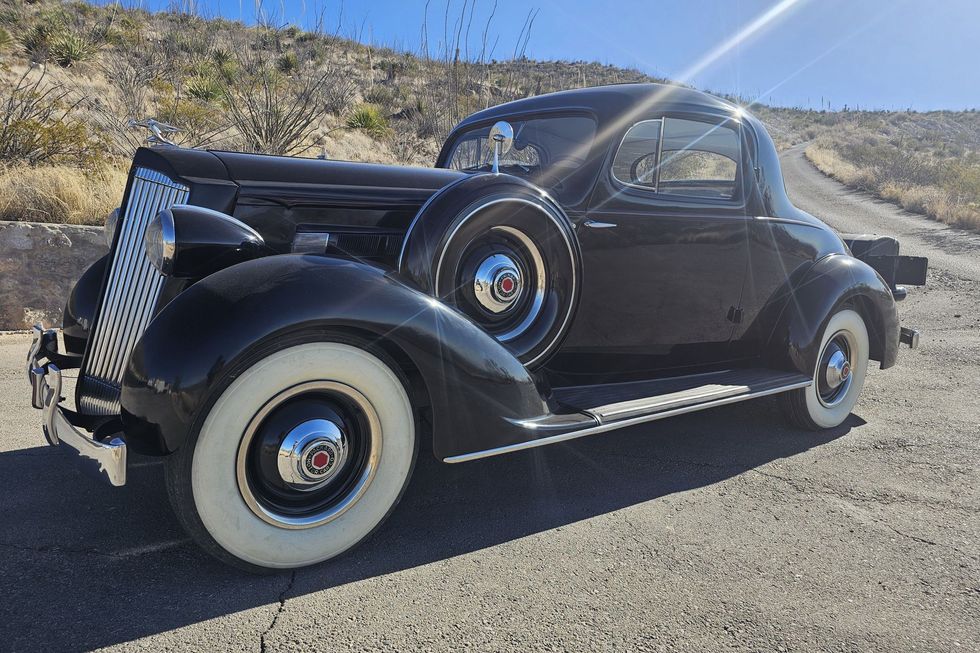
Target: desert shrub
column 287, row 63
column 204, row 86
column 273, row 113
column 392, row 69
column 37, row 126
column 369, row 119
column 199, row 123
column 339, row 90
column 948, row 191
column 82, row 8
column 962, row 178
column 383, row 96
column 68, row 48
column 9, row 16
column 36, row 41
column 5, row 40
column 59, row 194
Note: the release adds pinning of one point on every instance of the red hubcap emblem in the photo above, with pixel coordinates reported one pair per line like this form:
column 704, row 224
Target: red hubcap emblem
column 505, row 287
column 320, row 460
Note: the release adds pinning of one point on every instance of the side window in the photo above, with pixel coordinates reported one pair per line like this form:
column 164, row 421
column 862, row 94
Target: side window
column 683, row 158
column 636, row 161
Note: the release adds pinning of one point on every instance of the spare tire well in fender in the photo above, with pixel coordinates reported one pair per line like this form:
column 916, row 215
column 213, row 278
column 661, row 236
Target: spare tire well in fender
column 502, row 252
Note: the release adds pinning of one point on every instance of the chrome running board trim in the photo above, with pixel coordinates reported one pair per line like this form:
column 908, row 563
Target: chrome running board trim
column 612, row 426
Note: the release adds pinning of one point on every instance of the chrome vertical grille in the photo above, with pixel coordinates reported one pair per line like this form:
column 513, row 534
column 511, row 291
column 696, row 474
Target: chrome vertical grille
column 131, row 294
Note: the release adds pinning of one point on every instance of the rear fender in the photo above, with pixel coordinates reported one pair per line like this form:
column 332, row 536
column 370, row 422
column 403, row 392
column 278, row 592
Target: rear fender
column 478, row 391
column 832, row 282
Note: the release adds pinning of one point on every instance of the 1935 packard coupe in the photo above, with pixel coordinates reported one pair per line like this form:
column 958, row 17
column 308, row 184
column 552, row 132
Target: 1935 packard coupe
column 285, row 331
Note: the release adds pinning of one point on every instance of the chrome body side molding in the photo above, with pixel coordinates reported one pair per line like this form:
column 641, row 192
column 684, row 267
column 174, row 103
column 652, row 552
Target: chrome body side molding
column 623, row 423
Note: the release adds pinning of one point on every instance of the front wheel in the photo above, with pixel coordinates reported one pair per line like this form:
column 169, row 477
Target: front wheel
column 299, row 458
column 838, row 377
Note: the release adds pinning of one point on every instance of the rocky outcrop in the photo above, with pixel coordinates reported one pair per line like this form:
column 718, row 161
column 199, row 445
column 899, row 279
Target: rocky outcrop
column 39, row 264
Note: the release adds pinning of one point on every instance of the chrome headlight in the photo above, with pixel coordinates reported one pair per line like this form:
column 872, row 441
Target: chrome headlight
column 160, row 241
column 111, row 223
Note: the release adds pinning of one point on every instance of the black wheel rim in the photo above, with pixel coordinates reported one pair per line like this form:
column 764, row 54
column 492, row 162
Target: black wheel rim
column 834, row 373
column 308, row 454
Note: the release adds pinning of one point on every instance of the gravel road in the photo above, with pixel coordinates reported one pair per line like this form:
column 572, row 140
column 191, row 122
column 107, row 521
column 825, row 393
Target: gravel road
column 716, row 531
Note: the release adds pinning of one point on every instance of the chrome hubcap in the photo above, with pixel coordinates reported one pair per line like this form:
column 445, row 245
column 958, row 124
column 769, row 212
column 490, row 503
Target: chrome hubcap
column 838, row 368
column 497, row 283
column 311, row 454
column 834, row 378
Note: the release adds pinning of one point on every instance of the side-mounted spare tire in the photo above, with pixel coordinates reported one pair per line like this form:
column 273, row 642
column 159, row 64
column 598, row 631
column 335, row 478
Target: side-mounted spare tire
column 501, row 251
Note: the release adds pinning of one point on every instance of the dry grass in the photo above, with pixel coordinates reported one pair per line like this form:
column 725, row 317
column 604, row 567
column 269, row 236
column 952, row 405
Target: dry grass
column 831, row 163
column 59, row 194
column 934, row 201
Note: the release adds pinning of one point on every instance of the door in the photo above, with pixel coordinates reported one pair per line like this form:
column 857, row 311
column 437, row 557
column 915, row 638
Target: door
column 664, row 253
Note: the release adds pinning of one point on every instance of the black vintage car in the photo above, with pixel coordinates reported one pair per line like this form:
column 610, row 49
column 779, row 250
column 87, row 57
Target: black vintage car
column 286, row 331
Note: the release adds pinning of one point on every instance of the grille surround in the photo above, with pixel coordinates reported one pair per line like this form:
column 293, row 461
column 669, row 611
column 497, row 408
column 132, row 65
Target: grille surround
column 130, row 296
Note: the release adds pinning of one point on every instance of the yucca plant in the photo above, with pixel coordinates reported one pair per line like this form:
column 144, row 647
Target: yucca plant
column 368, row 118
column 36, row 41
column 204, row 87
column 69, row 48
column 287, row 63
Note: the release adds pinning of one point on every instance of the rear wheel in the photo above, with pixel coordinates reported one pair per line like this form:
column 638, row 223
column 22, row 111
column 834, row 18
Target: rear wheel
column 300, row 458
column 838, row 377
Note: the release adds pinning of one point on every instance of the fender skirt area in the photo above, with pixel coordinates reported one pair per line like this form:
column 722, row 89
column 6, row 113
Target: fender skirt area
column 478, row 390
column 833, row 281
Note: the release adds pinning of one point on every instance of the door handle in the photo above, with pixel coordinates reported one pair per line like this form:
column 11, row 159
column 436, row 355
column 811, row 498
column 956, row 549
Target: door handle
column 595, row 224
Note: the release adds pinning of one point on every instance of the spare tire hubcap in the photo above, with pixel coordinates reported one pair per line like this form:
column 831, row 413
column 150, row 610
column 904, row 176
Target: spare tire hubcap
column 497, row 283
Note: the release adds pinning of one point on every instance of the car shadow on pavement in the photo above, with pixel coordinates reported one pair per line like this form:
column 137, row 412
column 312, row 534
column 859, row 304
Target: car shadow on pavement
column 85, row 565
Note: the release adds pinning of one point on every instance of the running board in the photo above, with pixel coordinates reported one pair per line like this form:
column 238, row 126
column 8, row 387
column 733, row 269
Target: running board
column 675, row 397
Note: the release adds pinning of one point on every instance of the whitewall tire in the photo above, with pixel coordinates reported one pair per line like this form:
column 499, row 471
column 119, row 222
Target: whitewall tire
column 842, row 365
column 299, row 458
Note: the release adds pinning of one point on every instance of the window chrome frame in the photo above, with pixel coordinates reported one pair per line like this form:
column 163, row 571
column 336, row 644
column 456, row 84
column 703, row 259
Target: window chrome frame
column 660, row 144
column 654, row 191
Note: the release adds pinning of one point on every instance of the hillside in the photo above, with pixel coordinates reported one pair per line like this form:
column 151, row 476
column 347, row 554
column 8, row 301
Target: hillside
column 73, row 74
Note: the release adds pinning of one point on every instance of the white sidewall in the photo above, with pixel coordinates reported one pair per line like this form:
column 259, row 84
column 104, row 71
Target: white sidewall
column 214, row 484
column 846, row 320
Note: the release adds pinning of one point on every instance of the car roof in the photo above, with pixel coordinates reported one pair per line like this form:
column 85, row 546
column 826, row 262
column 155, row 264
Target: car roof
column 619, row 103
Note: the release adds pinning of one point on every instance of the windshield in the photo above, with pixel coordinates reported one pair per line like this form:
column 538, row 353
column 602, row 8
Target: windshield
column 540, row 144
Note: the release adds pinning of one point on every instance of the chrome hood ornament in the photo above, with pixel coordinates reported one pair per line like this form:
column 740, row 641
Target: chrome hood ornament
column 159, row 131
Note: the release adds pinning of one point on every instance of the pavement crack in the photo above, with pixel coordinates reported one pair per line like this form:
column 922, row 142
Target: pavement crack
column 279, row 611
column 112, row 555
column 53, row 548
column 922, row 540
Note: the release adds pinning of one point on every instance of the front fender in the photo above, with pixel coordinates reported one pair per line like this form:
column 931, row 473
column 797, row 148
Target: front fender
column 81, row 307
column 831, row 282
column 477, row 389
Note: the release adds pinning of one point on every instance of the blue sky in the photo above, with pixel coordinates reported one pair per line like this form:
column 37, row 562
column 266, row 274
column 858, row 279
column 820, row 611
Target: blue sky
column 892, row 54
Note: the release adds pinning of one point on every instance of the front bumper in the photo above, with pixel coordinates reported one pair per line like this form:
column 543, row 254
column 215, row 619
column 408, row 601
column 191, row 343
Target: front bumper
column 105, row 458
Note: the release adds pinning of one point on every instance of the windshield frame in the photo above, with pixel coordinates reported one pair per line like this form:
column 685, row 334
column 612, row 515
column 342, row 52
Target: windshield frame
column 463, row 128
column 579, row 185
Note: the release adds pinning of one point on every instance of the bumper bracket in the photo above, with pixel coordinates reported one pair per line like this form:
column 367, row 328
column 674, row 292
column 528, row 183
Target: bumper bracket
column 105, row 459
